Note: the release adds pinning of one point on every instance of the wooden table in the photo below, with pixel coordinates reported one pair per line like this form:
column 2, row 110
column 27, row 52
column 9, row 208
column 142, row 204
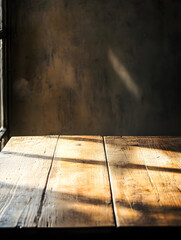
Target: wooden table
column 90, row 181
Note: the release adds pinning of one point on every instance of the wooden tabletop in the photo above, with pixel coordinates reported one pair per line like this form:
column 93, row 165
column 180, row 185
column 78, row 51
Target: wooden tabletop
column 90, row 181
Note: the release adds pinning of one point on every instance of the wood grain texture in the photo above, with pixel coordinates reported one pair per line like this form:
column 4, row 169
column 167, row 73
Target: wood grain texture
column 24, row 165
column 63, row 181
column 78, row 191
column 146, row 179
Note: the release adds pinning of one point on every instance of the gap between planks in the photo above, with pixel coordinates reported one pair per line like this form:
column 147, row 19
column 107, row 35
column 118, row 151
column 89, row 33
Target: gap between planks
column 45, row 187
column 110, row 184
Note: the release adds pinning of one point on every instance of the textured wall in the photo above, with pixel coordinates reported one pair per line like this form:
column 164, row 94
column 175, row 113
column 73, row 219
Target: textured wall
column 95, row 67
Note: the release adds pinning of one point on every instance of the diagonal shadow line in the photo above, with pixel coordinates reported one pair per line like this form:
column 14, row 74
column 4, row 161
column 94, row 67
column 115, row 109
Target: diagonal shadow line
column 70, row 197
column 81, row 139
column 89, row 161
column 173, row 148
column 72, row 160
column 148, row 208
column 27, row 155
column 77, row 160
column 152, row 168
column 165, row 143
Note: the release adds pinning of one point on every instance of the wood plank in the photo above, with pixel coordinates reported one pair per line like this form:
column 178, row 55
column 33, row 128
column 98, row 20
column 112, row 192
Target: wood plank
column 24, row 166
column 78, row 191
column 145, row 179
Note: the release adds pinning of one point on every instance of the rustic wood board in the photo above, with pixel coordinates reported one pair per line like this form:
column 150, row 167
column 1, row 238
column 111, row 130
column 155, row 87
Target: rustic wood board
column 145, row 175
column 24, row 167
column 78, row 190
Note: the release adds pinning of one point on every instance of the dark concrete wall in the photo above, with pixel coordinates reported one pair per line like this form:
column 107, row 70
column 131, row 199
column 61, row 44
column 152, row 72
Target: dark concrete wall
column 109, row 67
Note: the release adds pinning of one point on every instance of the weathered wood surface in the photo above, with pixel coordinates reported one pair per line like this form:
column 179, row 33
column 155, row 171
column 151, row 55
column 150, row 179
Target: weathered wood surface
column 63, row 181
column 145, row 179
column 24, row 166
column 78, row 190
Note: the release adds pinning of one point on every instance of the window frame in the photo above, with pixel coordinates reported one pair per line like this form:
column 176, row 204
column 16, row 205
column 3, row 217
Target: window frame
column 4, row 92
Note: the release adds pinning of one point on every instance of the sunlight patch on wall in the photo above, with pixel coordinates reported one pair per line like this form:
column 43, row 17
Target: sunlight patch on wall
column 124, row 75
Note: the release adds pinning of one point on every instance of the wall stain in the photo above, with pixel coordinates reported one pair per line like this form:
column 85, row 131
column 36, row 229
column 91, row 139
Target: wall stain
column 64, row 83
